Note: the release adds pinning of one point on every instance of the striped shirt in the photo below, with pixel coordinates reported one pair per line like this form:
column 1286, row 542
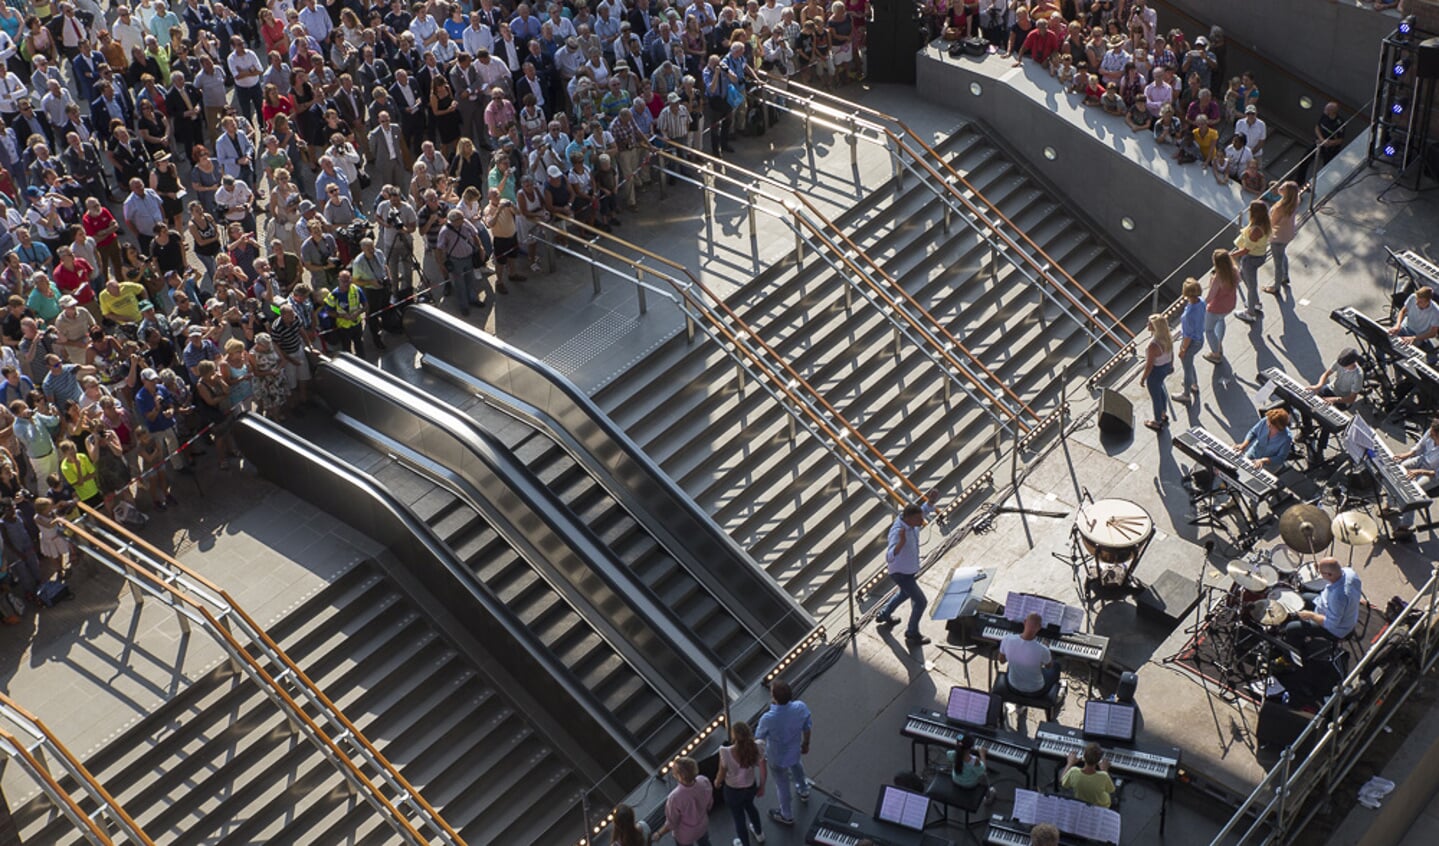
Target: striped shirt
column 288, row 336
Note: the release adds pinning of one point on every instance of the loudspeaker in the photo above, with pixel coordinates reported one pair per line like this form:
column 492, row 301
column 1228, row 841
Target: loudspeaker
column 895, row 35
column 1427, row 66
column 1167, row 599
column 1279, row 726
column 1116, row 414
column 1128, row 683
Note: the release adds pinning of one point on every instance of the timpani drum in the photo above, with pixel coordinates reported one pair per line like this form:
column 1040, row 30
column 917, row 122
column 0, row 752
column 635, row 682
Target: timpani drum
column 1113, row 530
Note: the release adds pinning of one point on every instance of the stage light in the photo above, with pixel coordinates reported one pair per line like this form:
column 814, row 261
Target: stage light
column 1397, row 108
column 1401, row 67
column 1406, row 26
column 1390, row 150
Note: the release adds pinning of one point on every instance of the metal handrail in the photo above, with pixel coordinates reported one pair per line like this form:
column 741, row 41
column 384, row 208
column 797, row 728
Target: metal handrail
column 818, row 410
column 1276, row 785
column 826, row 233
column 949, row 185
column 157, row 580
column 35, row 766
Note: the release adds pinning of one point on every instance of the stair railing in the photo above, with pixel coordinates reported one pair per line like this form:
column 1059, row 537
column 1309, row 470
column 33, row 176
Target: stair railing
column 709, row 313
column 31, row 755
column 860, row 272
column 911, row 153
column 195, row 599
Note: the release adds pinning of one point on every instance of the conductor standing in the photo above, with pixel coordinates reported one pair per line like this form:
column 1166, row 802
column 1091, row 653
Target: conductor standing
column 901, row 557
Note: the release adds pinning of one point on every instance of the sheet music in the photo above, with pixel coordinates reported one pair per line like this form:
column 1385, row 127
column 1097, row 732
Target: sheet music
column 966, row 587
column 1264, row 394
column 1069, row 815
column 1109, row 719
column 904, row 808
column 1068, row 618
column 1359, row 438
column 968, row 706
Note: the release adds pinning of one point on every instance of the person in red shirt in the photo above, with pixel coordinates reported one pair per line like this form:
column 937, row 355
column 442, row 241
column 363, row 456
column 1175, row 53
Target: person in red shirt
column 102, row 226
column 1040, row 44
column 72, row 275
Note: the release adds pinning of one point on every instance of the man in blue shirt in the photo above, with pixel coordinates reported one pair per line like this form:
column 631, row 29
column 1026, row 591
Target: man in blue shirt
column 785, row 730
column 1336, row 610
column 157, row 406
column 62, row 381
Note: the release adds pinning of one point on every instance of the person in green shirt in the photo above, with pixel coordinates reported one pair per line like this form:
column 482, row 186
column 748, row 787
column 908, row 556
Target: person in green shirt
column 1091, row 782
column 75, row 466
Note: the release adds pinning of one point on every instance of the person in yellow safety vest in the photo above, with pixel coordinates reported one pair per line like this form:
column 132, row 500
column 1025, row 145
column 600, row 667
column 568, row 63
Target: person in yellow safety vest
column 347, row 302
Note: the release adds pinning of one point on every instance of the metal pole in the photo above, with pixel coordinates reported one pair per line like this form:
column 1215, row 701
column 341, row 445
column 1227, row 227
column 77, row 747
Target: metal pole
column 640, row 289
column 798, row 246
column 594, row 266
column 809, row 123
column 853, row 140
column 689, row 329
column 709, row 199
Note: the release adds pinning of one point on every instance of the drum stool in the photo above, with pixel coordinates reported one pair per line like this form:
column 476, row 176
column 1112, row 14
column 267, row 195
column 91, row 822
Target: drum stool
column 1048, row 699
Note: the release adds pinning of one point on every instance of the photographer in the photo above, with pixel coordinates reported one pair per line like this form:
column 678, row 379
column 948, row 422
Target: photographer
column 462, row 250
column 321, row 256
column 369, row 272
column 397, row 220
column 234, row 199
column 347, row 302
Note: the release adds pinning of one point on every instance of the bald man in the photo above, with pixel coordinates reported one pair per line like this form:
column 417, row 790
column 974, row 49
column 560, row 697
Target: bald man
column 1031, row 666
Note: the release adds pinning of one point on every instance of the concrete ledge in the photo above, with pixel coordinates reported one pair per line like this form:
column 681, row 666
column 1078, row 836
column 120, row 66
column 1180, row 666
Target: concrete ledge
column 1414, row 769
column 1108, row 171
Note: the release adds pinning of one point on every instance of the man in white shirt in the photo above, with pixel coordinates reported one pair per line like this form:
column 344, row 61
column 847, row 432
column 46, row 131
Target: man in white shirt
column 477, row 36
column 901, row 557
column 1418, row 321
column 1031, row 666
column 769, row 16
column 1253, row 130
column 246, row 69
column 129, row 31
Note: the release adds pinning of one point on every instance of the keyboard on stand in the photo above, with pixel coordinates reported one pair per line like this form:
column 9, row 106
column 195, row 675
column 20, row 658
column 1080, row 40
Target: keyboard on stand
column 1076, row 646
column 1057, row 741
column 1402, row 492
column 931, row 728
column 1003, row 832
column 1255, row 482
column 1310, row 404
column 1419, row 269
column 836, row 825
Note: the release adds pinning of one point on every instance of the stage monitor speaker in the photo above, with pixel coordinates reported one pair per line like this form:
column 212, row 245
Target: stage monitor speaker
column 894, row 36
column 1116, row 413
column 1427, row 66
column 1128, row 683
column 1168, row 599
column 1279, row 725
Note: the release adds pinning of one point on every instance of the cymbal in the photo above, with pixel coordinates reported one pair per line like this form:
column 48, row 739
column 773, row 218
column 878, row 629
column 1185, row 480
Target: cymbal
column 1267, row 612
column 1239, row 571
column 1305, row 527
column 1355, row 528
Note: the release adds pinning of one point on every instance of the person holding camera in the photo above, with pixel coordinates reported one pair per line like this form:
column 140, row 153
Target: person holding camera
column 369, row 272
column 397, row 221
column 233, row 199
column 463, row 248
column 321, row 256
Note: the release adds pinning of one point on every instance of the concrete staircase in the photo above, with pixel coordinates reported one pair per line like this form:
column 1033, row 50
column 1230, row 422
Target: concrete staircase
column 218, row 763
column 728, row 446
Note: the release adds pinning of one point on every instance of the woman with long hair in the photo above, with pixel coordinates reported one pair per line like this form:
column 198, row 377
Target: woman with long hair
column 1282, row 217
column 1249, row 250
column 625, row 831
column 1219, row 302
column 1158, row 364
column 742, row 774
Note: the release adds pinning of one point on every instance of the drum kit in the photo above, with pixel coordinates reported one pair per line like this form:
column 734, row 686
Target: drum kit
column 1267, row 588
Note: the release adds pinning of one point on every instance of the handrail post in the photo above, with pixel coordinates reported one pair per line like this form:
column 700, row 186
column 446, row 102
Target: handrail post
column 853, row 139
column 594, row 266
column 708, row 178
column 640, row 289
column 689, row 328
column 753, row 196
column 809, row 122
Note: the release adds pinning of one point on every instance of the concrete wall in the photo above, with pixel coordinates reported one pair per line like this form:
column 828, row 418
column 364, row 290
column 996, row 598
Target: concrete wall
column 1108, row 172
column 1332, row 43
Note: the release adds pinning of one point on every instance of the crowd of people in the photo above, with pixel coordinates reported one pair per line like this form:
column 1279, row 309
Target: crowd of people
column 194, row 196
column 1112, row 54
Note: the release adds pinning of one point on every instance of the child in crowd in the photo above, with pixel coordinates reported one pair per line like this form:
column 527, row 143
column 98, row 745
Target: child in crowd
column 54, row 548
column 1138, row 116
column 1231, row 101
column 1111, row 101
column 1093, row 90
column 1066, row 71
column 1252, row 179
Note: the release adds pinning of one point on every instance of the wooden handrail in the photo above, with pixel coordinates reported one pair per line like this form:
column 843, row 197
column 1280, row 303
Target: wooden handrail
column 958, row 195
column 278, row 653
column 878, row 290
column 79, row 770
column 716, row 301
column 39, row 771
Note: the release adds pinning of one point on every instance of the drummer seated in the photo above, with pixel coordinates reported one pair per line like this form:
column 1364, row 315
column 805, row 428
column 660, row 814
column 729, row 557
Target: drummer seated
column 1421, row 464
column 1334, row 613
column 1268, row 444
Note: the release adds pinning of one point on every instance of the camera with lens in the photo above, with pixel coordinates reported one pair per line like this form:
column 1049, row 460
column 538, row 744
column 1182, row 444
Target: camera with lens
column 394, row 219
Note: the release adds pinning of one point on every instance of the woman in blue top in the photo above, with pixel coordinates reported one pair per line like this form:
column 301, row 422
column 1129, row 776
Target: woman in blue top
column 1191, row 333
column 1267, row 445
column 967, row 764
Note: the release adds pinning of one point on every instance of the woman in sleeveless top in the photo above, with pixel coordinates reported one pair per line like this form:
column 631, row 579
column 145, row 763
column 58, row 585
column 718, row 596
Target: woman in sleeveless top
column 1158, row 364
column 206, row 236
column 1249, row 250
column 1282, row 219
column 1018, row 31
column 237, row 370
column 742, row 774
column 1223, row 296
column 111, row 470
column 212, row 402
column 205, row 178
column 165, row 181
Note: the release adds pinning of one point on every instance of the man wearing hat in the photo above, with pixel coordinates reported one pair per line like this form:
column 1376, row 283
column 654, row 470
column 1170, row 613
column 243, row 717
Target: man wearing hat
column 1111, row 65
column 159, row 408
column 1253, row 130
column 1200, row 60
column 72, row 330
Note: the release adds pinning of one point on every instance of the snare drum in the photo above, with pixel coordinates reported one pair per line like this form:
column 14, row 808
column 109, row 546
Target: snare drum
column 1265, row 572
column 1279, row 608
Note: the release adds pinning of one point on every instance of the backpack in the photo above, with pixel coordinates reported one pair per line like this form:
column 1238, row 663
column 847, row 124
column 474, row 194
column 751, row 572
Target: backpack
column 52, row 593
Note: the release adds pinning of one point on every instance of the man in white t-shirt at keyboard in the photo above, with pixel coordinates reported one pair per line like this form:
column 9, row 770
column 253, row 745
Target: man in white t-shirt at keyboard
column 1031, row 666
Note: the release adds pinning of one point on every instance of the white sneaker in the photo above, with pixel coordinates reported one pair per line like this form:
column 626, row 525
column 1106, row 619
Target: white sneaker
column 758, row 835
column 738, row 842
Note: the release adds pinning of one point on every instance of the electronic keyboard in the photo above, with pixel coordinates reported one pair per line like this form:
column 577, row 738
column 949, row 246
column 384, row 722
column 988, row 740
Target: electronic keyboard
column 1057, row 741
column 836, row 825
column 932, row 728
column 1076, row 645
column 1416, row 267
column 1401, row 491
column 1254, row 482
column 1003, row 832
column 1310, row 404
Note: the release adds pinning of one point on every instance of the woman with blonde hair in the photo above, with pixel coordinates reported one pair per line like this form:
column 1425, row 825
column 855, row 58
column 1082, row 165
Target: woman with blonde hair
column 1249, row 250
column 1221, row 300
column 1282, row 217
column 1158, row 364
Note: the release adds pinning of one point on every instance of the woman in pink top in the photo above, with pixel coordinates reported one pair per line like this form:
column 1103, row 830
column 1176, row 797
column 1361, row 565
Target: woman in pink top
column 1282, row 218
column 687, row 810
column 1223, row 296
column 742, row 774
